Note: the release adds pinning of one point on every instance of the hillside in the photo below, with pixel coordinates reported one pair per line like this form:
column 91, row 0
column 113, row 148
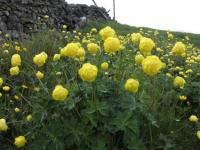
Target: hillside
column 105, row 86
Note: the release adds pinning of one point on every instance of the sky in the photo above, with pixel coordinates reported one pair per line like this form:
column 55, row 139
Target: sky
column 174, row 15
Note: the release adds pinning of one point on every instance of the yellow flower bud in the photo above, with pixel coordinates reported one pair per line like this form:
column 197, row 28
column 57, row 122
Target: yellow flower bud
column 179, row 82
column 39, row 75
column 6, row 88
column 104, row 66
column 3, row 125
column 179, row 48
column 146, row 45
column 16, row 60
column 193, row 118
column 71, row 50
column 107, row 32
column 92, row 48
column 14, row 71
column 56, row 57
column 29, row 118
column 40, row 59
column 1, row 81
column 20, row 141
column 198, row 134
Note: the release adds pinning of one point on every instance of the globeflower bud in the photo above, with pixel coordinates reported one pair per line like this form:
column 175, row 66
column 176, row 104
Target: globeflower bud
column 16, row 60
column 179, row 82
column 56, row 57
column 20, row 141
column 193, row 118
column 6, row 88
column 179, row 49
column 71, row 50
column 107, row 32
column 1, row 81
column 136, row 38
column 39, row 75
column 40, row 59
column 92, row 48
column 3, row 125
column 146, row 45
column 138, row 59
column 104, row 66
column 14, row 71
column 198, row 134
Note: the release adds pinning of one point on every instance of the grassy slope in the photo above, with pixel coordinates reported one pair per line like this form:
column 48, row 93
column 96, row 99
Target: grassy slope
column 125, row 29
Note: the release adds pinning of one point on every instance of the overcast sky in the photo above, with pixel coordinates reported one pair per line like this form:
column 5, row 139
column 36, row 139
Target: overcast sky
column 176, row 15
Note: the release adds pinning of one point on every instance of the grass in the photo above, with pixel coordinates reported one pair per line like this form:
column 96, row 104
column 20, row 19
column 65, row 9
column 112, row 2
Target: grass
column 124, row 29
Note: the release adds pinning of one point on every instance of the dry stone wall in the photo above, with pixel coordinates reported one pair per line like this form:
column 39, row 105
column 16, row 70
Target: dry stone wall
column 17, row 17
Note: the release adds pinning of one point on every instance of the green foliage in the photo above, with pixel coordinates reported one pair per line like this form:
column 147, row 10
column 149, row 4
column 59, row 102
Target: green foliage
column 99, row 115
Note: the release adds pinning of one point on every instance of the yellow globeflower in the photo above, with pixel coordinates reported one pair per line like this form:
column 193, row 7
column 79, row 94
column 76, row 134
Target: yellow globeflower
column 183, row 98
column 56, row 57
column 16, row 60
column 104, row 66
column 20, row 141
column 136, row 37
column 107, row 32
column 6, row 88
column 39, row 75
column 92, row 48
column 139, row 58
column 179, row 48
column 179, row 82
column 152, row 65
column 131, row 85
column 112, row 45
column 81, row 52
column 60, row 93
column 1, row 81
column 71, row 50
column 40, row 59
column 3, row 125
column 193, row 118
column 88, row 72
column 198, row 134
column 146, row 45
column 14, row 71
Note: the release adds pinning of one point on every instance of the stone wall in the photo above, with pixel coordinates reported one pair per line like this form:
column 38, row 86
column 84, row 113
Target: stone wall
column 17, row 17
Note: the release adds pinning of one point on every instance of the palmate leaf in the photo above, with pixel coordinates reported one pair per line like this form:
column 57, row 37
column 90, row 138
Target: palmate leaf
column 132, row 141
column 94, row 110
column 121, row 121
column 98, row 144
column 100, row 107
